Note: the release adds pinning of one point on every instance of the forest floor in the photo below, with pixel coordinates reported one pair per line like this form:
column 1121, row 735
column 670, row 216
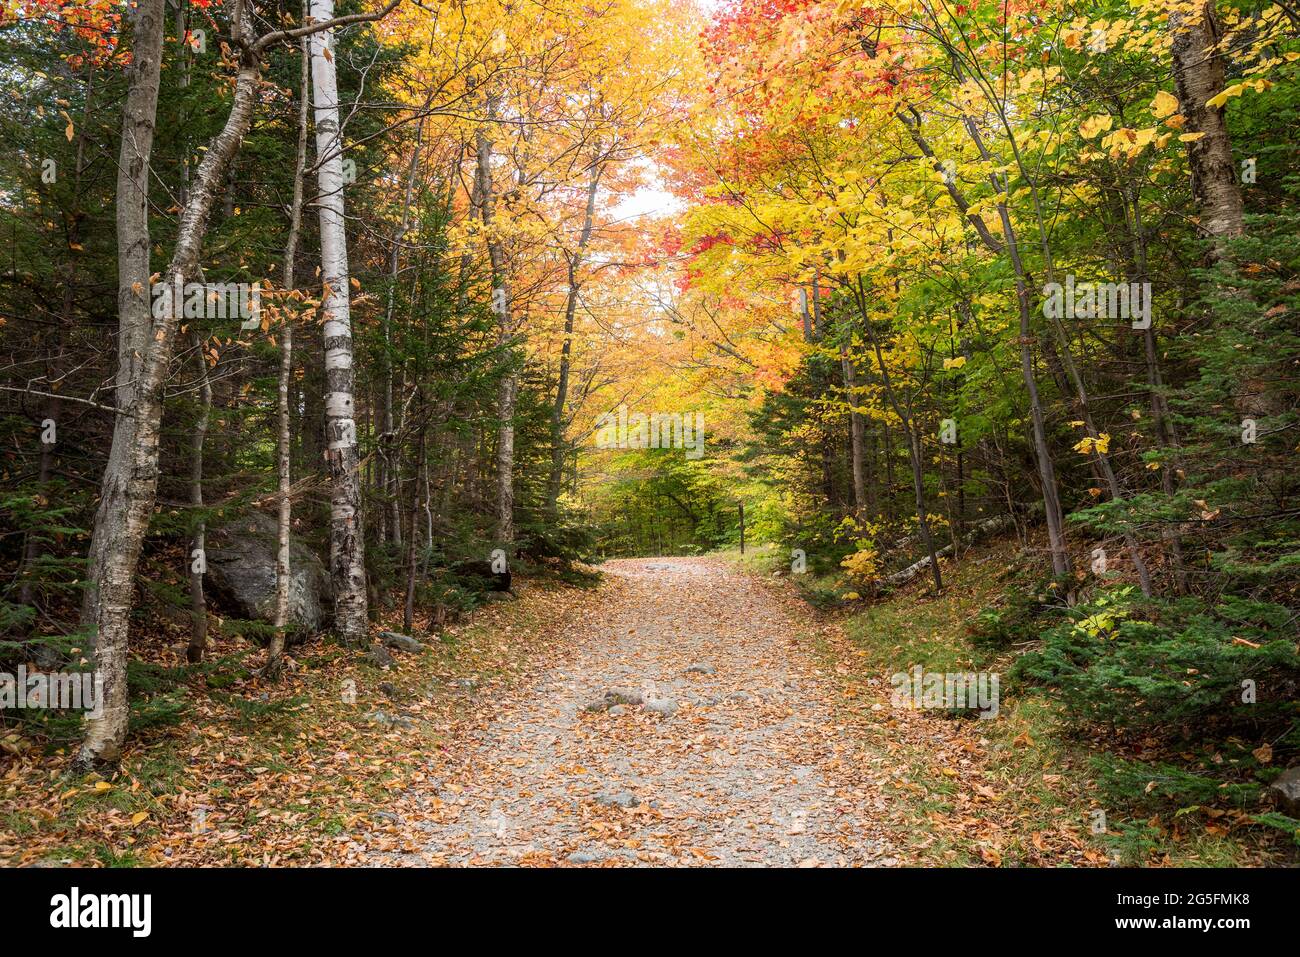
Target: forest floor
column 685, row 711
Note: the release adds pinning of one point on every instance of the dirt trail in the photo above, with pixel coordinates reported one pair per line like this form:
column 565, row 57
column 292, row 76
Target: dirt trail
column 737, row 762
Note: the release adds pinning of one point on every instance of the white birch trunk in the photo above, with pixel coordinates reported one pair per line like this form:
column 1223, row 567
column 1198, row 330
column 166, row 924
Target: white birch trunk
column 1198, row 67
column 507, row 392
column 347, row 545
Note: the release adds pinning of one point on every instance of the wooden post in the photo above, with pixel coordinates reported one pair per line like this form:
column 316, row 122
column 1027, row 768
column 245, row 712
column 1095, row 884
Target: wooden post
column 742, row 527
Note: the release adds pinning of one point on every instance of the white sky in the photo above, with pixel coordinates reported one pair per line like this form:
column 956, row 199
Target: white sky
column 648, row 201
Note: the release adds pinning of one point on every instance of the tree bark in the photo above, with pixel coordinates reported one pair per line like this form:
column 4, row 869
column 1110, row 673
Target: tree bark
column 408, row 610
column 198, row 545
column 1009, row 247
column 388, row 479
column 347, row 542
column 1198, row 77
column 139, row 116
column 856, row 431
column 130, row 477
column 912, row 435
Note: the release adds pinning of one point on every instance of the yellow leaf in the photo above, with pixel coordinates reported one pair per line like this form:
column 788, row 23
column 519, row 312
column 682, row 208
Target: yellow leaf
column 1222, row 97
column 1164, row 105
column 1095, row 124
column 139, row 816
column 1189, row 137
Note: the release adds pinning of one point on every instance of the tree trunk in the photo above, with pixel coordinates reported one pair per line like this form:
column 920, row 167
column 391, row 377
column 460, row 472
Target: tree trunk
column 408, row 610
column 283, row 566
column 1009, row 247
column 507, row 392
column 912, row 435
column 347, row 542
column 1199, row 77
column 388, row 480
column 126, row 495
column 198, row 545
column 556, row 478
column 139, row 116
column 856, row 432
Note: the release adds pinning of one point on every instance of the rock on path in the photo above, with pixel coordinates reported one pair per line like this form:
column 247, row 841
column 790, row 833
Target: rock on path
column 732, row 757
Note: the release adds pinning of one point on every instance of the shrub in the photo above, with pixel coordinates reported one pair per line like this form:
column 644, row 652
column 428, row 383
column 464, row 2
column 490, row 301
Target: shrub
column 1181, row 666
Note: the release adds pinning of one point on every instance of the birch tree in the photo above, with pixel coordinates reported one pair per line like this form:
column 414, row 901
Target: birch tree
column 1198, row 78
column 508, row 390
column 347, row 542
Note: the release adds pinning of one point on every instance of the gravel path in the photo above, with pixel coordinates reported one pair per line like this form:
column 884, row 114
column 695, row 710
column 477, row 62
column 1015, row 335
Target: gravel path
column 724, row 751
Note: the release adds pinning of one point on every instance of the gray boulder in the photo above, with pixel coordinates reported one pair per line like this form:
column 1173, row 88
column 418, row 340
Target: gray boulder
column 1284, row 793
column 241, row 555
column 379, row 656
column 386, row 720
column 622, row 696
column 401, row 642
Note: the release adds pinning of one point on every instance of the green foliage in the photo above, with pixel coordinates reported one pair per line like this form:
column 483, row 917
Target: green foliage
column 1179, row 666
column 1017, row 618
column 253, row 712
column 1145, row 788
